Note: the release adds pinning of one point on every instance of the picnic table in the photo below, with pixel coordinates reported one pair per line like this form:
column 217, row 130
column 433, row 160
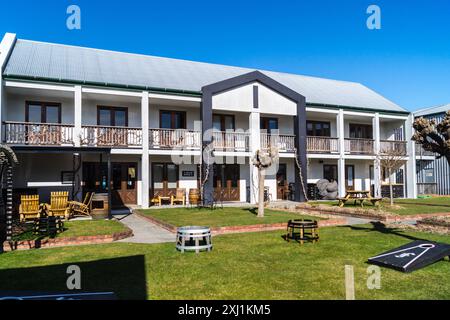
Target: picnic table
column 359, row 196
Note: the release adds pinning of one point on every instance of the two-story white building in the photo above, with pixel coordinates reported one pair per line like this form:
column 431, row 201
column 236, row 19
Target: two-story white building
column 85, row 119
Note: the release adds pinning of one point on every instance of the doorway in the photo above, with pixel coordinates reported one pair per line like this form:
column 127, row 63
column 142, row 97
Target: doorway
column 350, row 177
column 123, row 184
column 226, row 183
column 164, row 179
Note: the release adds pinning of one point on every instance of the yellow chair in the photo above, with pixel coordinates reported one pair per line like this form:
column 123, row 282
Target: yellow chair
column 82, row 209
column 29, row 208
column 59, row 205
column 180, row 197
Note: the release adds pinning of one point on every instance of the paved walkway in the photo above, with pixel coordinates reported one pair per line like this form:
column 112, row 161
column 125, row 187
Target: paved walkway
column 144, row 231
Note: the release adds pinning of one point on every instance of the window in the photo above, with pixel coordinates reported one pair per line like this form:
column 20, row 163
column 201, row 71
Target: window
column 43, row 112
column 330, row 172
column 269, row 124
column 172, row 120
column 361, row 131
column 222, row 122
column 399, row 176
column 112, row 116
column 318, row 129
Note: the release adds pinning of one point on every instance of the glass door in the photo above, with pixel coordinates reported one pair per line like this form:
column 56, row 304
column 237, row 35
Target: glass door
column 165, row 179
column 350, row 177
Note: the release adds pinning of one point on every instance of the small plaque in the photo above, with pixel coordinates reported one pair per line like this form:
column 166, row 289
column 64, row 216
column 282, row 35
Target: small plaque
column 188, row 174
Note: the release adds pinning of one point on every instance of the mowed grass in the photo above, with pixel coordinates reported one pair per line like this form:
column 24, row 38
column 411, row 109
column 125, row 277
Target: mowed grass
column 221, row 217
column 79, row 229
column 258, row 266
column 405, row 206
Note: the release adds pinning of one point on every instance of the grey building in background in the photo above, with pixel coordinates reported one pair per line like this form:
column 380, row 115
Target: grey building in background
column 433, row 175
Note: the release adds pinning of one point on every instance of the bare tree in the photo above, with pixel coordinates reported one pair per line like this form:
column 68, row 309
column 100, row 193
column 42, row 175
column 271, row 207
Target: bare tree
column 264, row 160
column 391, row 160
column 434, row 137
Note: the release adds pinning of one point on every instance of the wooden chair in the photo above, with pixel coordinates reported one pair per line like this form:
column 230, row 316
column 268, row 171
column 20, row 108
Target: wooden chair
column 59, row 205
column 180, row 197
column 84, row 208
column 29, row 208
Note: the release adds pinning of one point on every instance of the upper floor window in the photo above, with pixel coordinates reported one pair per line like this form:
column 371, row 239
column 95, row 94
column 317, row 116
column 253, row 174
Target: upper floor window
column 269, row 124
column 361, row 131
column 223, row 122
column 318, row 129
column 112, row 116
column 43, row 112
column 172, row 120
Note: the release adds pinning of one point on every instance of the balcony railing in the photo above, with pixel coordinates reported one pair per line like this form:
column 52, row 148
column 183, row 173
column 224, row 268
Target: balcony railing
column 175, row 139
column 38, row 134
column 359, row 146
column 421, row 152
column 102, row 136
column 231, row 141
column 388, row 147
column 284, row 143
column 323, row 145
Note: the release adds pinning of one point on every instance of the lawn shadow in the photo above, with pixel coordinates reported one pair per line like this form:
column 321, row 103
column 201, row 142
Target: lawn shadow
column 382, row 228
column 253, row 211
column 124, row 277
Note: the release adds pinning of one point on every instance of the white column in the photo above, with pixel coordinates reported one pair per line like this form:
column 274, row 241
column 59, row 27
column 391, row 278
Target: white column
column 410, row 174
column 341, row 161
column 377, row 178
column 255, row 145
column 145, row 168
column 78, row 116
column 376, row 133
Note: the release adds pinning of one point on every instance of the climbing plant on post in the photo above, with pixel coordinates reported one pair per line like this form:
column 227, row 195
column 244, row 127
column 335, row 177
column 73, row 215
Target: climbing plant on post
column 8, row 160
column 262, row 161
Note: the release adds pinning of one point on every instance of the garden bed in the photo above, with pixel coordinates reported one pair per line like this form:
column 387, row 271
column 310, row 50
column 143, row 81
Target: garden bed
column 228, row 220
column 435, row 225
column 75, row 233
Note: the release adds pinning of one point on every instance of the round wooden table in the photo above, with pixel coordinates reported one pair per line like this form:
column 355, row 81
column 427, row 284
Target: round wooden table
column 308, row 230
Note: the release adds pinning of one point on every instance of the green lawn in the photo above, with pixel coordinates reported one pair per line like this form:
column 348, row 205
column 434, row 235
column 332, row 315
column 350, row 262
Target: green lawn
column 405, row 206
column 79, row 229
column 221, row 217
column 258, row 266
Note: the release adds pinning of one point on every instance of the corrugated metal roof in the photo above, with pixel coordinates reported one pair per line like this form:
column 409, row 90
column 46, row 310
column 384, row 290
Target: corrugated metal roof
column 57, row 62
column 432, row 110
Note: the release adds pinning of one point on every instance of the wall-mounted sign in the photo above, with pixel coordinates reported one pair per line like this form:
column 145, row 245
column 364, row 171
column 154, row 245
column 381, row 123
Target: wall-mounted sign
column 188, row 174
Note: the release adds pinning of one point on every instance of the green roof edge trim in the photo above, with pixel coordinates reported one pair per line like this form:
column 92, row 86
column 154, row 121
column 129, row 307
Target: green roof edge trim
column 177, row 92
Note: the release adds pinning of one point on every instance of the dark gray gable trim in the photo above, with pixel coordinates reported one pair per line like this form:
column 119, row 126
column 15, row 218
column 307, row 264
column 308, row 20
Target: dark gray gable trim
column 255, row 76
column 299, row 124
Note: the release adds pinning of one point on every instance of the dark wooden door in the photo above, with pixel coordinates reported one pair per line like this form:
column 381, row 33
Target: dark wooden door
column 165, row 178
column 226, row 183
column 282, row 182
column 124, row 186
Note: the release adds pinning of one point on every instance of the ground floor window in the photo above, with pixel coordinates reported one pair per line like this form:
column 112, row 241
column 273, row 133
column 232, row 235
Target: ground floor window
column 330, row 172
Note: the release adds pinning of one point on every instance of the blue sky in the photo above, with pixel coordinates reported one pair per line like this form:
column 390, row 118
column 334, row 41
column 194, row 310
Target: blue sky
column 407, row 61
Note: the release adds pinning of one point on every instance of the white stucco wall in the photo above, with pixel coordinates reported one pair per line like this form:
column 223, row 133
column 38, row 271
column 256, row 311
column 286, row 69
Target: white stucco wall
column 240, row 99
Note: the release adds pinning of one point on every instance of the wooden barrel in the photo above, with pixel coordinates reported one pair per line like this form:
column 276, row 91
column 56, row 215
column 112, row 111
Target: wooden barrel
column 100, row 206
column 194, row 197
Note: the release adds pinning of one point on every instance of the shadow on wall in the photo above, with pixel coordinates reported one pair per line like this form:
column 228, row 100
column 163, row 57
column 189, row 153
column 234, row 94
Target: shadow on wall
column 124, row 277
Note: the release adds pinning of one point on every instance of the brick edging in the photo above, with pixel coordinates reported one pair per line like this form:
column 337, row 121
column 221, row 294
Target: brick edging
column 243, row 229
column 358, row 214
column 63, row 242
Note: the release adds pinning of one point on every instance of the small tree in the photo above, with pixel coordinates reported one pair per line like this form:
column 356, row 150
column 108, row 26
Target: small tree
column 262, row 161
column 434, row 137
column 391, row 160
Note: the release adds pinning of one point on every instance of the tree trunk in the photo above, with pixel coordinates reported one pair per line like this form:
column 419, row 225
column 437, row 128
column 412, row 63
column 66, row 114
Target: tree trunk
column 391, row 191
column 261, row 177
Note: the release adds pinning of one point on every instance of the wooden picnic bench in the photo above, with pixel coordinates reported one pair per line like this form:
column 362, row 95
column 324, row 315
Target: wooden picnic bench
column 359, row 197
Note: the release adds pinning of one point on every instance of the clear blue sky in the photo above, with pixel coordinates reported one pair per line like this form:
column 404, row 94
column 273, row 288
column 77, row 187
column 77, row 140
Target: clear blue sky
column 407, row 61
